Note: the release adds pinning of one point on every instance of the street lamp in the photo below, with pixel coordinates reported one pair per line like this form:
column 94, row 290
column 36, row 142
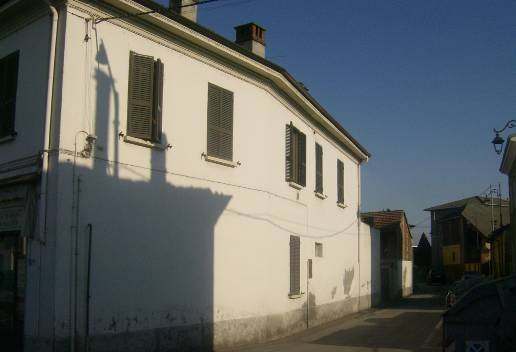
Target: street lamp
column 498, row 141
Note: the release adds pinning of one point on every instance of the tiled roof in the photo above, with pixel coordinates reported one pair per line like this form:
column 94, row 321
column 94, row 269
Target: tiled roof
column 382, row 219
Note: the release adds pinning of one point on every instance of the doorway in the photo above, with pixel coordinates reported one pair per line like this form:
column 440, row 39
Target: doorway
column 12, row 289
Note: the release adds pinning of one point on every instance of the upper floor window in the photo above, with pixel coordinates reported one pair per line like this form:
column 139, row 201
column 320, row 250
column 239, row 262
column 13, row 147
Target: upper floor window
column 318, row 168
column 220, row 123
column 8, row 87
column 340, row 182
column 295, row 164
column 145, row 98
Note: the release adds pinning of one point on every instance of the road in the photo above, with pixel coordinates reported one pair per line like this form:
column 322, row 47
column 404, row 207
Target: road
column 412, row 324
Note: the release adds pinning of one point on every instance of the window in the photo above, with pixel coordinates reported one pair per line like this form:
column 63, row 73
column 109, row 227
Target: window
column 318, row 249
column 294, row 265
column 8, row 87
column 295, row 165
column 340, row 182
column 145, row 98
column 220, row 123
column 318, row 168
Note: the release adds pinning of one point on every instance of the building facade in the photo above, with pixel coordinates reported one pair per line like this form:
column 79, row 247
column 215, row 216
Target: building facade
column 508, row 168
column 163, row 188
column 462, row 228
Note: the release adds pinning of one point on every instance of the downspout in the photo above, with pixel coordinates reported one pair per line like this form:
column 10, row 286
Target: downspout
column 359, row 221
column 43, row 204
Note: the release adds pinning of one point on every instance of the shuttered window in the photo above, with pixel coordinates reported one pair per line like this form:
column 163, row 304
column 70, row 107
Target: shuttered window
column 145, row 97
column 295, row 259
column 220, row 123
column 318, row 168
column 340, row 182
column 8, row 87
column 295, row 155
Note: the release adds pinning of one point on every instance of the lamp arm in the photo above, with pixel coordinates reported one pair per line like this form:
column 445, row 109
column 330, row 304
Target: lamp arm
column 509, row 124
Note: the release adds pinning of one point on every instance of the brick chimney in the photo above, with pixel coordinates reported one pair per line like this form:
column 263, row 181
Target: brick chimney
column 252, row 37
column 185, row 8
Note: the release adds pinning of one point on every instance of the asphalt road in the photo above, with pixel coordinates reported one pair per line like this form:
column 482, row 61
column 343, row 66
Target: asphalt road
column 412, row 324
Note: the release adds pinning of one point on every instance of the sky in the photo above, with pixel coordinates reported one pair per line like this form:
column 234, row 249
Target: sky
column 421, row 84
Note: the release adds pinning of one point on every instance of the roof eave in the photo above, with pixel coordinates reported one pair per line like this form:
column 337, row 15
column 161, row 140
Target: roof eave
column 509, row 155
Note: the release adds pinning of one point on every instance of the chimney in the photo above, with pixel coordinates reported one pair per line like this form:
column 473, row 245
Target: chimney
column 185, row 8
column 251, row 37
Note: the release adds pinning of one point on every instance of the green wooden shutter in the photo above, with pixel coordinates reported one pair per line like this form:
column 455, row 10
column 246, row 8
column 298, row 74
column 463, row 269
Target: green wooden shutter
column 318, row 168
column 302, row 159
column 220, row 122
column 295, row 264
column 8, row 88
column 140, row 96
column 340, row 181
column 158, row 101
column 288, row 153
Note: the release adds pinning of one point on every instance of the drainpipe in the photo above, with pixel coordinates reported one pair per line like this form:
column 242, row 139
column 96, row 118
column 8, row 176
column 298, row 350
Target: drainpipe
column 359, row 221
column 43, row 204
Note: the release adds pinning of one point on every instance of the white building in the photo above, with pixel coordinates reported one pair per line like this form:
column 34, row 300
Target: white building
column 164, row 188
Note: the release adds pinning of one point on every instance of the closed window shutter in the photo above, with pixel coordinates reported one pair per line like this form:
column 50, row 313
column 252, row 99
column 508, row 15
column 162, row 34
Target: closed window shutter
column 220, row 122
column 318, row 168
column 8, row 88
column 158, row 101
column 288, row 153
column 302, row 159
column 295, row 265
column 340, row 181
column 140, row 97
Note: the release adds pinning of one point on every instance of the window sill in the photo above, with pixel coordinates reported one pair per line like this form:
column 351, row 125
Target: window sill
column 295, row 185
column 295, row 295
column 342, row 205
column 220, row 161
column 7, row 139
column 320, row 195
column 144, row 143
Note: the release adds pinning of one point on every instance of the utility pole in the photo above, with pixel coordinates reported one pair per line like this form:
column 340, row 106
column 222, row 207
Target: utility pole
column 491, row 191
column 500, row 197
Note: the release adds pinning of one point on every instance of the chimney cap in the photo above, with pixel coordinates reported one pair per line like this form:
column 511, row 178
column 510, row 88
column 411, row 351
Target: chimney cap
column 250, row 31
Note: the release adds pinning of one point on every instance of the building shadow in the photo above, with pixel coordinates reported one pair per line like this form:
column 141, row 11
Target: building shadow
column 401, row 331
column 146, row 281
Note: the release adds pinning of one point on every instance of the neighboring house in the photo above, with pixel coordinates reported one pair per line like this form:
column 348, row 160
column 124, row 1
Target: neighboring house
column 395, row 252
column 508, row 167
column 501, row 257
column 422, row 258
column 459, row 233
column 164, row 188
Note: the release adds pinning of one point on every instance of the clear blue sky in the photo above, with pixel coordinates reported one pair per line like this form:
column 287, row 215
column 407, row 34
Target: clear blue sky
column 419, row 83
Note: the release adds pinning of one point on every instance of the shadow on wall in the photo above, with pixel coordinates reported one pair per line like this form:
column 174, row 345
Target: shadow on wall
column 152, row 254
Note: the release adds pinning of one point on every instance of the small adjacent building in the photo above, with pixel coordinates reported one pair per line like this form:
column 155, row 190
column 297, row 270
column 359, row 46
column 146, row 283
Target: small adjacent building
column 422, row 258
column 395, row 252
column 460, row 231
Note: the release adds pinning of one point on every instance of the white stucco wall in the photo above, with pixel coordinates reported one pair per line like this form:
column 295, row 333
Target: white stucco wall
column 32, row 41
column 370, row 281
column 179, row 241
column 407, row 278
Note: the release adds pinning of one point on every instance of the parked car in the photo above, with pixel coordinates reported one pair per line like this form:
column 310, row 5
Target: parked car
column 436, row 276
column 460, row 287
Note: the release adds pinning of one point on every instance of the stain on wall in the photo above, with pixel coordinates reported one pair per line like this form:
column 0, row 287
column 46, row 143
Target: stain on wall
column 347, row 280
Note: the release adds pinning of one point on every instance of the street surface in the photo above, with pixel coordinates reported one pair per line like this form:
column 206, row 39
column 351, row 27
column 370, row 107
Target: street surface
column 412, row 324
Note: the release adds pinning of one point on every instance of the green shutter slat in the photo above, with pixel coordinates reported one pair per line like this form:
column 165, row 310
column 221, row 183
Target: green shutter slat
column 340, row 181
column 318, row 168
column 140, row 96
column 158, row 101
column 8, row 89
column 295, row 260
column 288, row 153
column 302, row 159
column 220, row 122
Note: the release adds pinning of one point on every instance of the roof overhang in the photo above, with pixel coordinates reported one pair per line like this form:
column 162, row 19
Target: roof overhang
column 509, row 154
column 230, row 51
